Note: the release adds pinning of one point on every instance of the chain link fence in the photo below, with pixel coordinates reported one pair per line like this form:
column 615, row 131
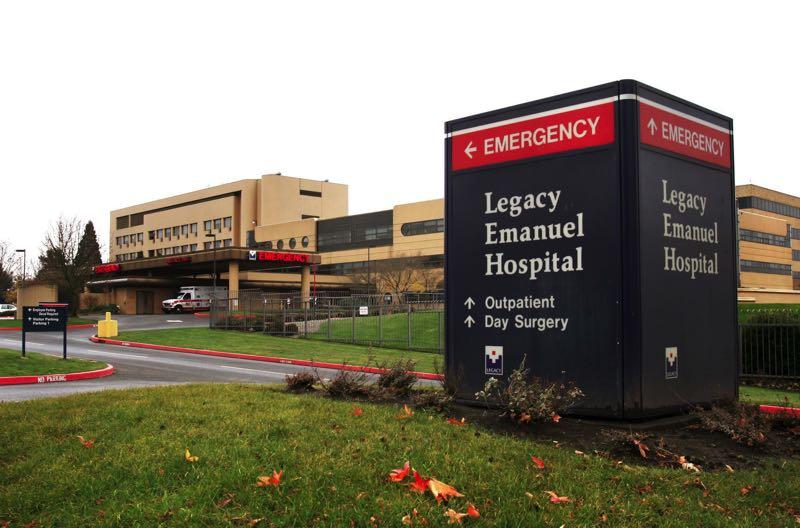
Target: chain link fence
column 769, row 342
column 406, row 321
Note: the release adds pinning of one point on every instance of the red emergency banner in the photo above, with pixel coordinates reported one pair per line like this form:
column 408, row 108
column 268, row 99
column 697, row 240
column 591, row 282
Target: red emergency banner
column 571, row 128
column 671, row 130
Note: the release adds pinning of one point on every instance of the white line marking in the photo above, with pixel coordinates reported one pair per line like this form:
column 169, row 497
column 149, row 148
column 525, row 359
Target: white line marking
column 255, row 370
column 174, row 321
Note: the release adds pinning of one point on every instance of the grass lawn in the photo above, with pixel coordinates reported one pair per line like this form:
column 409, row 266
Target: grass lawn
column 11, row 364
column 335, row 465
column 391, row 330
column 13, row 323
column 264, row 345
column 759, row 395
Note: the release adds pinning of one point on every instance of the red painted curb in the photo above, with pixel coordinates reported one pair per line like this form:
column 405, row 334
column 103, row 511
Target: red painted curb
column 56, row 378
column 775, row 409
column 268, row 359
column 69, row 327
column 205, row 315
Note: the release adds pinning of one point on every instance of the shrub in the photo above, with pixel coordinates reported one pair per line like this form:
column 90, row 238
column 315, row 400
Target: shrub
column 398, row 380
column 291, row 329
column 743, row 423
column 346, row 384
column 524, row 398
column 438, row 399
column 301, row 382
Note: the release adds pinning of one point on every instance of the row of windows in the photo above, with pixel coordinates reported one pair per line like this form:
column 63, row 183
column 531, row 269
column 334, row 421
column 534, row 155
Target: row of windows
column 218, row 244
column 754, row 202
column 218, row 224
column 765, row 267
column 124, row 257
column 136, row 238
column 763, row 238
column 174, row 250
column 169, row 233
column 423, row 228
column 292, row 243
column 130, row 220
column 346, row 236
column 794, row 233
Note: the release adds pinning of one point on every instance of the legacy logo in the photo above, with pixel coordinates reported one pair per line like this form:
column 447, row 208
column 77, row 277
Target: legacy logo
column 252, row 255
column 671, row 362
column 494, row 360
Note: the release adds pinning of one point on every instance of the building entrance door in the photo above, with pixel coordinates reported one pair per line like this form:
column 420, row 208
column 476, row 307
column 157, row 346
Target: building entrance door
column 144, row 303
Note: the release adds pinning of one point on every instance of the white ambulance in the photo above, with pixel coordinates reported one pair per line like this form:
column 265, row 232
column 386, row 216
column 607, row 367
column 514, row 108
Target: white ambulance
column 193, row 299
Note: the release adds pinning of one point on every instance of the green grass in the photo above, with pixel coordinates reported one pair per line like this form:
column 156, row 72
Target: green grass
column 264, row 345
column 12, row 364
column 389, row 330
column 762, row 396
column 13, row 323
column 335, row 465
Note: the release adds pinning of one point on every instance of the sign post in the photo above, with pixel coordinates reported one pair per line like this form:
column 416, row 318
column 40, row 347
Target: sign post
column 47, row 317
column 592, row 234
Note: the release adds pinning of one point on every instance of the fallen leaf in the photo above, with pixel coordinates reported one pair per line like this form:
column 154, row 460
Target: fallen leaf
column 529, row 494
column 555, row 499
column 166, row 515
column 473, row 512
column 272, row 480
column 398, row 475
column 442, row 491
column 360, row 495
column 244, row 520
column 190, row 457
column 745, row 490
column 86, row 443
column 525, row 418
column 453, row 517
column 225, row 500
column 420, row 484
column 643, row 490
column 404, row 413
column 538, row 461
column 408, row 519
column 556, row 418
column 357, row 411
column 728, row 468
column 453, row 421
column 643, row 449
column 579, row 453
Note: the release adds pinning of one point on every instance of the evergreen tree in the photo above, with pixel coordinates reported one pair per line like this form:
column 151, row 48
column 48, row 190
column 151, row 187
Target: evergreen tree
column 88, row 248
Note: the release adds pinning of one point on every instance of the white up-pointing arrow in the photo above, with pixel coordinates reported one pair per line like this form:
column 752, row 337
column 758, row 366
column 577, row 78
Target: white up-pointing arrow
column 469, row 303
column 470, row 149
column 652, row 126
column 469, row 321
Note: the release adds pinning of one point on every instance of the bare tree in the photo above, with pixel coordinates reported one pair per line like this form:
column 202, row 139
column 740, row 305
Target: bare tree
column 7, row 266
column 61, row 261
column 395, row 275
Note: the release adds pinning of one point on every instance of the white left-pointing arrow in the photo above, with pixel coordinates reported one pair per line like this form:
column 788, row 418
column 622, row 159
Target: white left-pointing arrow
column 470, row 149
column 469, row 321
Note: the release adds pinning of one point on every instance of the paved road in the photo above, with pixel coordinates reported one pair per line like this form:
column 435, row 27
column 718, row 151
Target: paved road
column 137, row 367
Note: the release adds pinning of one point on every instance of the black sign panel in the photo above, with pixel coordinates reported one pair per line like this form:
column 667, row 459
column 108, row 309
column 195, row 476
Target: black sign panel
column 44, row 319
column 556, row 252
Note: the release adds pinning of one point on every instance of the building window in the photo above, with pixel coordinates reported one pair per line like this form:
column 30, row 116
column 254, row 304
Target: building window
column 315, row 194
column 140, row 238
column 292, row 243
column 151, row 253
column 377, row 233
column 168, row 234
column 280, row 244
column 168, row 251
column 765, row 267
column 795, row 254
column 151, row 235
column 185, row 229
column 423, row 228
column 763, row 238
column 334, row 238
column 218, row 224
column 227, row 242
column 125, row 240
column 304, row 241
column 305, row 216
column 193, row 228
column 207, row 245
column 268, row 244
column 207, row 225
column 137, row 219
column 176, row 231
column 159, row 252
column 160, row 234
column 123, row 222
column 185, row 248
column 251, row 239
column 754, row 202
column 218, row 244
column 192, row 247
column 227, row 222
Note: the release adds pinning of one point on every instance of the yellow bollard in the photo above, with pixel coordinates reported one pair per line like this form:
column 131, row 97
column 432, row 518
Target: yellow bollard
column 108, row 327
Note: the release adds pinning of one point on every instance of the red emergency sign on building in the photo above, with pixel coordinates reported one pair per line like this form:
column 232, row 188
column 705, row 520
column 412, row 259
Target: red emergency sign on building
column 280, row 257
column 571, row 128
column 681, row 133
column 105, row 268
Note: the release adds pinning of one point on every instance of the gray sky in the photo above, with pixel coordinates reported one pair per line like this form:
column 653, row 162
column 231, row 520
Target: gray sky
column 106, row 104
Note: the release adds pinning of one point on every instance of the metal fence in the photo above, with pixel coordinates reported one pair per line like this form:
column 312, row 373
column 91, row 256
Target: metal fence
column 411, row 322
column 769, row 342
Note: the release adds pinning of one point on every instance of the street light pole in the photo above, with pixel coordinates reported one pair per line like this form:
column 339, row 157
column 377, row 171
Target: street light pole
column 24, row 263
column 214, row 260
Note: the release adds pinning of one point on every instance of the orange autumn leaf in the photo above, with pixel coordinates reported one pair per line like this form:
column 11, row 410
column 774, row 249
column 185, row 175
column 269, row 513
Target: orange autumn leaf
column 408, row 520
column 453, row 517
column 643, row 449
column 404, row 413
column 555, row 499
column 357, row 411
column 538, row 461
column 86, row 443
column 398, row 475
column 420, row 484
column 454, row 421
column 473, row 512
column 190, row 457
column 556, row 418
column 442, row 491
column 272, row 480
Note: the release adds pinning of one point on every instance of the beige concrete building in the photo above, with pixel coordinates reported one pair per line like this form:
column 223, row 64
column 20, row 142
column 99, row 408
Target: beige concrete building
column 274, row 233
column 769, row 245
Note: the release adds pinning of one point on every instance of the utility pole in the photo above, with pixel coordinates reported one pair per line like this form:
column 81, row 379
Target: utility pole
column 214, row 264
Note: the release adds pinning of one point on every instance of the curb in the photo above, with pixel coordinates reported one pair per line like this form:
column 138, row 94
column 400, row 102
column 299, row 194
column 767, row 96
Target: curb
column 204, row 315
column 69, row 327
column 57, row 378
column 775, row 409
column 267, row 359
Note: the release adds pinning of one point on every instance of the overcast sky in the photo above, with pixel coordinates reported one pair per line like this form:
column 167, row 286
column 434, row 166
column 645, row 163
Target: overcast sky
column 108, row 104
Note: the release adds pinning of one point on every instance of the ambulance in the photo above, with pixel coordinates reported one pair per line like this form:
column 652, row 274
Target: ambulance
column 193, row 299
